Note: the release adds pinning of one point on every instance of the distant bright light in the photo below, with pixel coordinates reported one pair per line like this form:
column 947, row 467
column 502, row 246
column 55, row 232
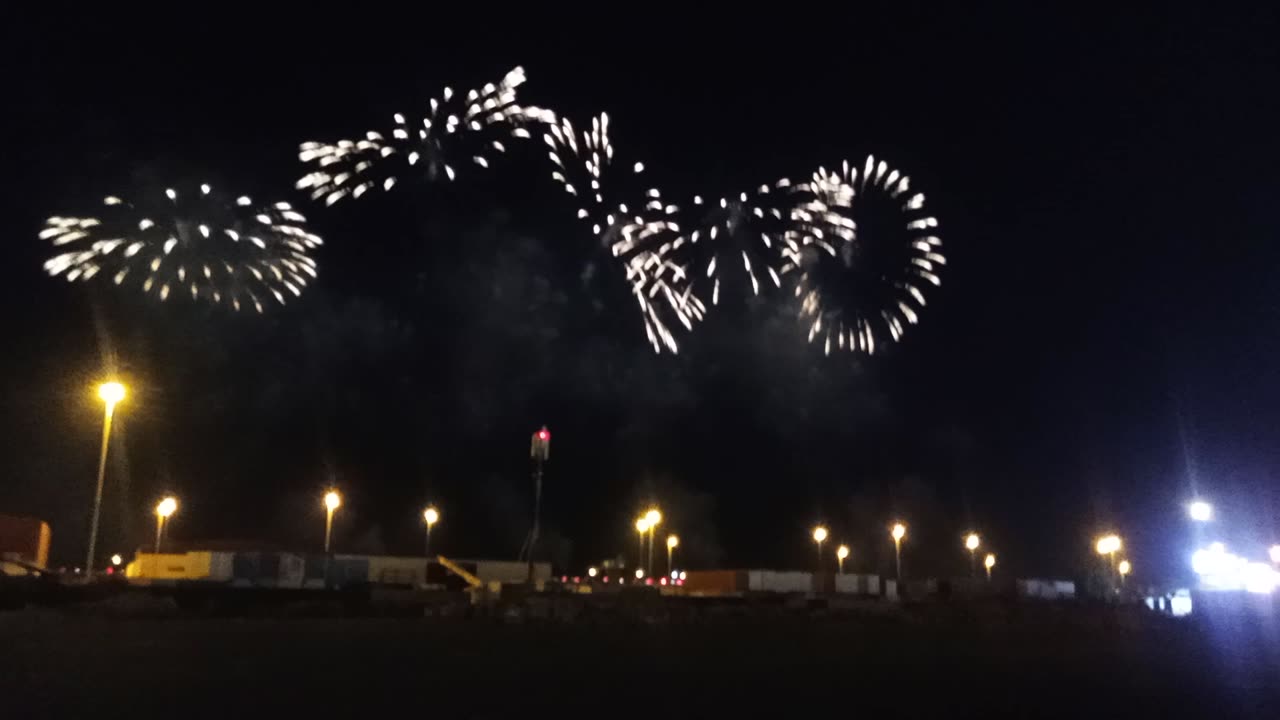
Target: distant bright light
column 675, row 575
column 899, row 531
column 683, row 576
column 544, row 434
column 672, row 541
column 989, row 561
column 1275, row 554
column 1200, row 511
column 1109, row 544
column 819, row 534
column 431, row 516
column 332, row 500
column 663, row 581
column 111, row 393
column 842, row 552
column 972, row 541
column 116, row 559
column 1221, row 570
column 653, row 517
column 1125, row 567
column 592, row 572
column 167, row 507
column 642, row 525
column 639, row 573
column 1260, row 578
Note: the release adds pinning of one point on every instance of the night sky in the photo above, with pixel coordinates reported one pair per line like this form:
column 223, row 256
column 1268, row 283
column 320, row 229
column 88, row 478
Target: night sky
column 1105, row 337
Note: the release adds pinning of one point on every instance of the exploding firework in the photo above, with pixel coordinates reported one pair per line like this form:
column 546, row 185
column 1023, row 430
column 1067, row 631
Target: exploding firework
column 193, row 243
column 660, row 284
column 457, row 130
column 862, row 248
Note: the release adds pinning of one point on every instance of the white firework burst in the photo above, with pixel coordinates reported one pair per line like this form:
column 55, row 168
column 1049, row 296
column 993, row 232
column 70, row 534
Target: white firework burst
column 456, row 130
column 862, row 250
column 189, row 242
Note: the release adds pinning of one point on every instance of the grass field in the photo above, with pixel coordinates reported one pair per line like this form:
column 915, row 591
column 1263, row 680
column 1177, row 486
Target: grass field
column 915, row 665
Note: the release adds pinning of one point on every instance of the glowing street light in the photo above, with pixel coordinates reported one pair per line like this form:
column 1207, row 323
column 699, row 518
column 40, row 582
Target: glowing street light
column 898, row 532
column 110, row 393
column 971, row 543
column 819, row 535
column 1125, row 568
column 332, row 501
column 642, row 527
column 1200, row 511
column 989, row 562
column 164, row 510
column 592, row 572
column 672, row 543
column 116, row 559
column 430, row 516
column 639, row 573
column 842, row 552
column 653, row 517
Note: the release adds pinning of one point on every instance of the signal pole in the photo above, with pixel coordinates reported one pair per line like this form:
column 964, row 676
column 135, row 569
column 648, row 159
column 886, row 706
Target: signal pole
column 539, row 452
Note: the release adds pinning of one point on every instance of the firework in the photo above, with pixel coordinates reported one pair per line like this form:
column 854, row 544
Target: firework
column 610, row 202
column 457, row 130
column 192, row 242
column 862, row 248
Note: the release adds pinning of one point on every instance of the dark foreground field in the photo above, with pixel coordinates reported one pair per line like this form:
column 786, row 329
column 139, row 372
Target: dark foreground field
column 1084, row 665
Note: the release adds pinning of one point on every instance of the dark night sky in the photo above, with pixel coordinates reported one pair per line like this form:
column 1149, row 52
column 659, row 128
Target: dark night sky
column 1106, row 189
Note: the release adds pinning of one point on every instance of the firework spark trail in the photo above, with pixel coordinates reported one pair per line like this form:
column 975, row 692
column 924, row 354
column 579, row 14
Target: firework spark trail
column 458, row 129
column 825, row 241
column 188, row 242
column 583, row 167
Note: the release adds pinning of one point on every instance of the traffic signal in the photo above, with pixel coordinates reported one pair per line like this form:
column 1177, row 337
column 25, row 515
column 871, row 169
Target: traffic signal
column 540, row 444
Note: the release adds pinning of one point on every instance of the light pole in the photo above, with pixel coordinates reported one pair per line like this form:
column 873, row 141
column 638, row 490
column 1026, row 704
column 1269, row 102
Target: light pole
column 111, row 393
column 989, row 562
column 430, row 516
column 1109, row 545
column 898, row 532
column 971, row 543
column 819, row 535
column 672, row 543
column 332, row 501
column 164, row 510
column 642, row 528
column 539, row 452
column 653, row 518
column 842, row 552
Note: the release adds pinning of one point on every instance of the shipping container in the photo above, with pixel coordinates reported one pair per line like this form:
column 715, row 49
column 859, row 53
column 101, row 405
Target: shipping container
column 715, row 582
column 782, row 581
column 858, row 584
column 179, row 566
column 24, row 539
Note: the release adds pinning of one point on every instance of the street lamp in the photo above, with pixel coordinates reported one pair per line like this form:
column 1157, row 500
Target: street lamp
column 989, row 562
column 819, row 535
column 898, row 532
column 332, row 501
column 1125, row 569
column 164, row 509
column 842, row 552
column 971, row 543
column 430, row 516
column 1200, row 511
column 672, row 543
column 110, row 393
column 653, row 518
column 642, row 527
column 592, row 572
column 116, row 559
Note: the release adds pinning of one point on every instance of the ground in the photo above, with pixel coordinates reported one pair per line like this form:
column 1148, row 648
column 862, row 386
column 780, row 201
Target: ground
column 61, row 664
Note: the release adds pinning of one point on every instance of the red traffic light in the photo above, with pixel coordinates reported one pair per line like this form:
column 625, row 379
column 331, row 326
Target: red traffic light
column 544, row 435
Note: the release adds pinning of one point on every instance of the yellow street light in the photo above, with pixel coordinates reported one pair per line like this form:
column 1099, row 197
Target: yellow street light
column 898, row 532
column 164, row 510
column 642, row 527
column 971, row 543
column 842, row 552
column 672, row 543
column 653, row 518
column 430, row 516
column 1125, row 569
column 110, row 393
column 819, row 535
column 332, row 501
column 989, row 562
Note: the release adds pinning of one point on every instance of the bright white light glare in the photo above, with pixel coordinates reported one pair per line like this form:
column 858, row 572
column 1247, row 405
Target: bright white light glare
column 683, row 576
column 1275, row 554
column 675, row 575
column 639, row 573
column 1200, row 511
column 592, row 572
column 1221, row 570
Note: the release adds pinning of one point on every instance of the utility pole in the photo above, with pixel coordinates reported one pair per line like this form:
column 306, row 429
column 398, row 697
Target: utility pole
column 539, row 452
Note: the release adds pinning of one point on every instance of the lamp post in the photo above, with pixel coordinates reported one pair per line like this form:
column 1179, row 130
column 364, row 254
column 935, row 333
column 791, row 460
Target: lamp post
column 842, row 552
column 642, row 529
column 1125, row 568
column 898, row 532
column 110, row 393
column 332, row 501
column 1108, row 545
column 653, row 518
column 164, row 510
column 971, row 543
column 430, row 516
column 989, row 562
column 672, row 543
column 539, row 452
column 819, row 535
